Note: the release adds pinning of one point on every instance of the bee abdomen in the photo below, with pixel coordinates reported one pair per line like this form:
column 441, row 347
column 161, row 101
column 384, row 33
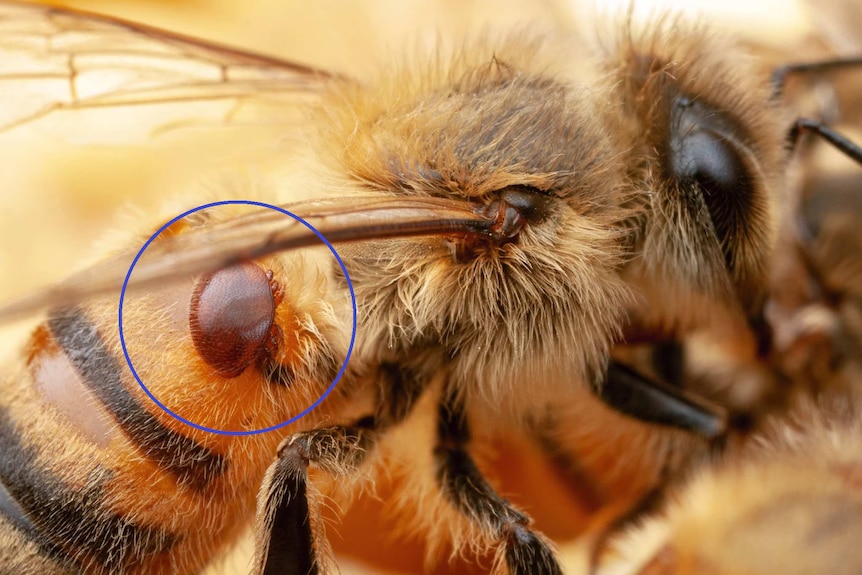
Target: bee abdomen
column 124, row 494
column 78, row 339
column 67, row 523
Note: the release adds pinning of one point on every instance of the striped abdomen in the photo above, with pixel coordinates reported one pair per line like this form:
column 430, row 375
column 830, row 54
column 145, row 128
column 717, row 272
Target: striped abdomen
column 97, row 478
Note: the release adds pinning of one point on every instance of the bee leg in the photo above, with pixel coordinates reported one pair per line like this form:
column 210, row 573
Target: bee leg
column 590, row 493
column 820, row 67
column 808, row 126
column 523, row 551
column 634, row 395
column 285, row 542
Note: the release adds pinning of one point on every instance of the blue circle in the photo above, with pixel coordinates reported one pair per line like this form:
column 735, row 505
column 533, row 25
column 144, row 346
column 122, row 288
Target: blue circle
column 253, row 431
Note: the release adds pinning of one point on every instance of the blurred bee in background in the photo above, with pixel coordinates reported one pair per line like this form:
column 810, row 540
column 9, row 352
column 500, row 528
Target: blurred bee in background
column 788, row 501
column 561, row 204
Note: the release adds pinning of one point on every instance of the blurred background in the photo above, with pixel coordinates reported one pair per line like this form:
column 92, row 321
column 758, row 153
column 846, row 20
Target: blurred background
column 59, row 198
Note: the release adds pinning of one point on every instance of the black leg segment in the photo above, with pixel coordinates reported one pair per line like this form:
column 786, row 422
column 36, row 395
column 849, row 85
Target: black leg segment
column 286, row 544
column 523, row 551
column 842, row 143
column 285, row 540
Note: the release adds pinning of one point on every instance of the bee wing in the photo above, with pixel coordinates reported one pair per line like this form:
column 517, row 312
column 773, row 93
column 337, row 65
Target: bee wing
column 54, row 60
column 258, row 234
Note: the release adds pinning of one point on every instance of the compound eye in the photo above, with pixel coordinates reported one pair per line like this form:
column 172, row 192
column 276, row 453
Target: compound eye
column 712, row 162
column 702, row 152
column 715, row 165
column 230, row 318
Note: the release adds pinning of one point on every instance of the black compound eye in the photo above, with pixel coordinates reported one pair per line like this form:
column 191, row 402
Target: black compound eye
column 712, row 162
column 704, row 154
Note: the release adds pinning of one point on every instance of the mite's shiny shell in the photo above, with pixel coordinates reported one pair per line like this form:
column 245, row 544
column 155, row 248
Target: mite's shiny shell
column 231, row 317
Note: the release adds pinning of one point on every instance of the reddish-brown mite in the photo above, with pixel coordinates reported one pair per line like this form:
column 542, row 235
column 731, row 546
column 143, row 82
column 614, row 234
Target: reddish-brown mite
column 231, row 317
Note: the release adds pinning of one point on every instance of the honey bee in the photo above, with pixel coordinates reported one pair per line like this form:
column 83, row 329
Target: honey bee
column 505, row 213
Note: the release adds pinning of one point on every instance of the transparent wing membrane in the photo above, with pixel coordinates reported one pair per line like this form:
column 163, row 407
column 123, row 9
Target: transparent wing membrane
column 54, row 60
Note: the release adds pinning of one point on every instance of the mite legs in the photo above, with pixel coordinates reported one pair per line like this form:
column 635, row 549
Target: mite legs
column 522, row 550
